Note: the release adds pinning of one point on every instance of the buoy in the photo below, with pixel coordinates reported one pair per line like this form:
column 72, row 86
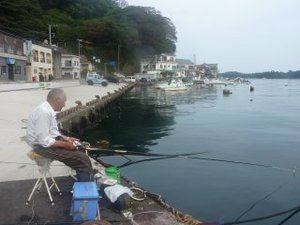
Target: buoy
column 226, row 92
column 251, row 88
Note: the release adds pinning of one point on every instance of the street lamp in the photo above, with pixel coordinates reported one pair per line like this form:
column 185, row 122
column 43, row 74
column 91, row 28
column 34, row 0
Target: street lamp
column 96, row 60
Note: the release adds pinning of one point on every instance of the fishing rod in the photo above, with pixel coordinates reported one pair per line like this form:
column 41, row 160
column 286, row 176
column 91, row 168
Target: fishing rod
column 87, row 147
column 130, row 162
column 125, row 152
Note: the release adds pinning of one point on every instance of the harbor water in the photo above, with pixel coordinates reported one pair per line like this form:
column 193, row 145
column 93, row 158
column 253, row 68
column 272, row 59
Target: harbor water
column 256, row 134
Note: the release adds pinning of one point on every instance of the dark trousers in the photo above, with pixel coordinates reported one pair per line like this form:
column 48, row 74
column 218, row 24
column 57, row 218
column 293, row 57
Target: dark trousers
column 77, row 160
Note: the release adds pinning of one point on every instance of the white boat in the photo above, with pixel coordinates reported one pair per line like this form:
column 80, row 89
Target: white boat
column 161, row 85
column 197, row 80
column 175, row 85
column 215, row 82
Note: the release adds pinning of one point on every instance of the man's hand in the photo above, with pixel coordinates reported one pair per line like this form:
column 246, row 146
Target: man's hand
column 69, row 146
column 66, row 145
column 71, row 139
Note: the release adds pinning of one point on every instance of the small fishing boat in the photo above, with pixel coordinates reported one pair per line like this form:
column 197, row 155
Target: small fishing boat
column 175, row 85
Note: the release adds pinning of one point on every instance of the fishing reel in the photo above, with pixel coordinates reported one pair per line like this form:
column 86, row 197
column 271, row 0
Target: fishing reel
column 82, row 145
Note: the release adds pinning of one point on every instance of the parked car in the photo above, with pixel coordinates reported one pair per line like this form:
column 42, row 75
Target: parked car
column 130, row 79
column 112, row 79
column 95, row 78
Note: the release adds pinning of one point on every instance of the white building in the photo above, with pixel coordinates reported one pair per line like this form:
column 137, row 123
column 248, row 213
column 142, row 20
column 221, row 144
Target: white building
column 165, row 62
column 166, row 65
column 162, row 62
column 40, row 65
column 70, row 66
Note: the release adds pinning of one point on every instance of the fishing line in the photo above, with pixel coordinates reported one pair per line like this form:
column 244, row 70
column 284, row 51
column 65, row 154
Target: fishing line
column 264, row 217
column 131, row 162
column 86, row 146
column 260, row 200
column 289, row 217
column 293, row 171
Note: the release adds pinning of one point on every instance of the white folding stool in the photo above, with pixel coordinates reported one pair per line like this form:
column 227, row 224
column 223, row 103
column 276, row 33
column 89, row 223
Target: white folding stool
column 44, row 169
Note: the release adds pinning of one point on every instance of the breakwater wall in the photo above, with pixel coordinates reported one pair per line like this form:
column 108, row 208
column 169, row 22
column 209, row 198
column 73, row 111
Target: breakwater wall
column 76, row 119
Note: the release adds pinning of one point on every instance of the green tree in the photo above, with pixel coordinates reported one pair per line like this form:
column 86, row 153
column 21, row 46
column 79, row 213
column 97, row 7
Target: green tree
column 109, row 29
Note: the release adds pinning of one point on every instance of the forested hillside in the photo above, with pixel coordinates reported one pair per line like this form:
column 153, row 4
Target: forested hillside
column 268, row 75
column 104, row 26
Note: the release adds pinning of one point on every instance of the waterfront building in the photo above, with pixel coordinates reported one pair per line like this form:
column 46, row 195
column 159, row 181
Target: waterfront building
column 162, row 62
column 12, row 57
column 70, row 65
column 208, row 70
column 166, row 65
column 39, row 64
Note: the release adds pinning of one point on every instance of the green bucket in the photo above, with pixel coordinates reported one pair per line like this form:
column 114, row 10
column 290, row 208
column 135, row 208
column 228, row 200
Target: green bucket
column 113, row 172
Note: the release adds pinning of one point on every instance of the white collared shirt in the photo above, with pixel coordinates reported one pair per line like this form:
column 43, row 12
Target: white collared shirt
column 42, row 126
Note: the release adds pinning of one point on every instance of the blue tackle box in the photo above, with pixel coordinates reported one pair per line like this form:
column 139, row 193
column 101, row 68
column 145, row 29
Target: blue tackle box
column 85, row 201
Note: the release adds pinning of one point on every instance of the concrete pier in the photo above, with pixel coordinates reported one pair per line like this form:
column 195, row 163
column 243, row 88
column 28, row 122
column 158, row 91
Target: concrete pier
column 17, row 100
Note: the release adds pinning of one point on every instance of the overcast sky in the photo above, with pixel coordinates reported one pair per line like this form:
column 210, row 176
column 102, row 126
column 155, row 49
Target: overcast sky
column 238, row 35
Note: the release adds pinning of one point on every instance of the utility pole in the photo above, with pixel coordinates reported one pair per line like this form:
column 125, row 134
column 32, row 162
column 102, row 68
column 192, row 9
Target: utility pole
column 79, row 46
column 50, row 35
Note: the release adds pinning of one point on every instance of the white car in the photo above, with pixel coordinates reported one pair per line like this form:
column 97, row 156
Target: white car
column 95, row 78
column 130, row 79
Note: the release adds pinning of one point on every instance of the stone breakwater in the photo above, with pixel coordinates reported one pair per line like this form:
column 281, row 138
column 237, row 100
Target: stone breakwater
column 17, row 100
column 77, row 118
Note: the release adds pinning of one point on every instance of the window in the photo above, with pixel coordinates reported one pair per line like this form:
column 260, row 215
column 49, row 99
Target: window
column 35, row 55
column 48, row 58
column 10, row 49
column 3, row 70
column 42, row 57
column 68, row 63
column 18, row 69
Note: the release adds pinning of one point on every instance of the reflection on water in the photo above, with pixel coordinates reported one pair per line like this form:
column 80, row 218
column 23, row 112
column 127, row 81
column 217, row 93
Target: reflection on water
column 146, row 114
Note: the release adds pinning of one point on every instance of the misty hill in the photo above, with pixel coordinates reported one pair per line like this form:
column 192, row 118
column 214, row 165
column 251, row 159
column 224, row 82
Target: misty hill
column 268, row 75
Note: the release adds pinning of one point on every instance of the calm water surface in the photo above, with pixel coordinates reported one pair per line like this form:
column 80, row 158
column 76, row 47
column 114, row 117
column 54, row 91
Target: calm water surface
column 261, row 127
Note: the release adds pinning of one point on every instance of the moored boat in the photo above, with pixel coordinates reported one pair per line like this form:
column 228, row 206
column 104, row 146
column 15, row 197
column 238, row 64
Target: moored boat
column 175, row 85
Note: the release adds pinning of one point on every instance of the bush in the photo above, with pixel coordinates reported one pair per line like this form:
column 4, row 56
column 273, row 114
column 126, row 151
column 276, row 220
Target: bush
column 51, row 77
column 41, row 77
